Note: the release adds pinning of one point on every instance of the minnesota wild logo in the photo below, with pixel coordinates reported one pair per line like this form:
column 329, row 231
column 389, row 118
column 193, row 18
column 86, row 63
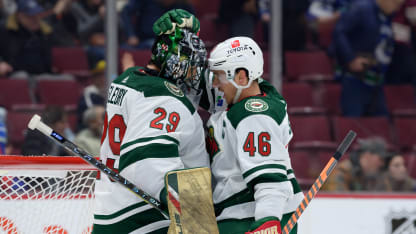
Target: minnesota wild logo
column 212, row 144
column 173, row 89
column 256, row 105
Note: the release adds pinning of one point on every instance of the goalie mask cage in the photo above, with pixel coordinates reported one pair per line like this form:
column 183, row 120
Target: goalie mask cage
column 46, row 194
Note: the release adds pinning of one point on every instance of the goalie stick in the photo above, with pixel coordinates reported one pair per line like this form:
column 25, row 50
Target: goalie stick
column 342, row 148
column 36, row 123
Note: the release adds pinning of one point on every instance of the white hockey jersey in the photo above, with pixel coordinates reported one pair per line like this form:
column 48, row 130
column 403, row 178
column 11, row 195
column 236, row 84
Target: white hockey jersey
column 150, row 128
column 248, row 145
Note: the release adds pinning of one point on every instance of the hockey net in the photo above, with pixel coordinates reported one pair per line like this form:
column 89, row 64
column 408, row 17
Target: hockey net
column 46, row 194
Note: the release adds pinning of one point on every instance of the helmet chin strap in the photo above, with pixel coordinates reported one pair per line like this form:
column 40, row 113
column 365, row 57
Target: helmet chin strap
column 239, row 89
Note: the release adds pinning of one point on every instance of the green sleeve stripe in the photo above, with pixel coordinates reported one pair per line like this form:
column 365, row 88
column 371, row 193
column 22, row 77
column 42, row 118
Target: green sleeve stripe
column 154, row 150
column 262, row 167
column 295, row 185
column 147, row 139
column 267, row 178
column 131, row 223
column 290, row 171
column 241, row 197
column 120, row 212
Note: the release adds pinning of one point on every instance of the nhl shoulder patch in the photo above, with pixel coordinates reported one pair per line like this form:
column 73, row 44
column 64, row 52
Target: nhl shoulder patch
column 256, row 105
column 174, row 89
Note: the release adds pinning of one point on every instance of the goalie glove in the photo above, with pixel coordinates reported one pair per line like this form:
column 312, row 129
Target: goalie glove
column 177, row 17
column 266, row 225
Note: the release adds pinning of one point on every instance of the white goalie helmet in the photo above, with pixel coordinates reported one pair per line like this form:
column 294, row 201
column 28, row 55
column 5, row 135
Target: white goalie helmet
column 236, row 53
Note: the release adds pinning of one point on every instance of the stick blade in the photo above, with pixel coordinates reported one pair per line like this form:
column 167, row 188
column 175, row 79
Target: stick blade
column 191, row 209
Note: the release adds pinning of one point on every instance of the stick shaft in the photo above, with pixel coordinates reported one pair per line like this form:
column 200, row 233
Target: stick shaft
column 35, row 123
column 319, row 182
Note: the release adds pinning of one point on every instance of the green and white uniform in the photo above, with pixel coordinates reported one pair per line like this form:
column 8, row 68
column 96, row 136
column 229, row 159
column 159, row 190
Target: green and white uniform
column 150, row 128
column 248, row 145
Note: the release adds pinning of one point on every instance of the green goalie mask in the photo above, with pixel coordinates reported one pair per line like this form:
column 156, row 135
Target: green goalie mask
column 181, row 57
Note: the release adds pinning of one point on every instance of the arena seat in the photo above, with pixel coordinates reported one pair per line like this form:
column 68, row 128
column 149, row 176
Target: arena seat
column 300, row 163
column 300, row 98
column 331, row 97
column 405, row 129
column 207, row 9
column 54, row 92
column 71, row 60
column 140, row 57
column 365, row 127
column 311, row 133
column 14, row 92
column 400, row 99
column 325, row 34
column 308, row 66
column 17, row 126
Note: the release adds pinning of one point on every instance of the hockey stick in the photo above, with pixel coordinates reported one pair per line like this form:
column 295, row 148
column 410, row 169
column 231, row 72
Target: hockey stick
column 319, row 182
column 36, row 123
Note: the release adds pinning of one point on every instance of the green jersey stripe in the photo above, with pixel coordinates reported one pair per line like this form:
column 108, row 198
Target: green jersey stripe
column 295, row 185
column 120, row 212
column 268, row 166
column 155, row 150
column 147, row 139
column 132, row 223
column 267, row 178
column 238, row 198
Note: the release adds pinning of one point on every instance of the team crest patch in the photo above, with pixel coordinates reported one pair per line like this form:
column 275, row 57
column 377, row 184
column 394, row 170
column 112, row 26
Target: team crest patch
column 173, row 89
column 256, row 105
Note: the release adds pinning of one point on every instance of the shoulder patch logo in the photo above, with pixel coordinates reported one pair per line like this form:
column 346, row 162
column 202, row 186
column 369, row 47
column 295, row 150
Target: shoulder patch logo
column 256, row 105
column 174, row 89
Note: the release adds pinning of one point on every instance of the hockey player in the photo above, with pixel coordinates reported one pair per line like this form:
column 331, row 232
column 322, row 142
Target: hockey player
column 256, row 190
column 150, row 128
column 255, row 187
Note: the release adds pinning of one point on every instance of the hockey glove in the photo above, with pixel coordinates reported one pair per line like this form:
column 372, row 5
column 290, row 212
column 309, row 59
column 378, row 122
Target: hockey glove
column 266, row 225
column 177, row 17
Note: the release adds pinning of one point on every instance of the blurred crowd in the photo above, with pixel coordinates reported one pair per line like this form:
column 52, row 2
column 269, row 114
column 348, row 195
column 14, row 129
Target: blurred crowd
column 370, row 43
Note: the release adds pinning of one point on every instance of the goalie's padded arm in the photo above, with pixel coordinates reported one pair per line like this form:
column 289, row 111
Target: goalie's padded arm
column 36, row 123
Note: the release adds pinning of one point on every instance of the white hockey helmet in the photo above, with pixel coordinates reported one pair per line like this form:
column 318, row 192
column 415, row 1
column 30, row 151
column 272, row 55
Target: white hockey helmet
column 237, row 53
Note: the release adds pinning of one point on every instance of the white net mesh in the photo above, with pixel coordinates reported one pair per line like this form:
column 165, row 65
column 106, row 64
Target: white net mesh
column 48, row 199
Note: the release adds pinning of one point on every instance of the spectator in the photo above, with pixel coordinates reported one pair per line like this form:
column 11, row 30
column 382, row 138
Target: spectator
column 36, row 143
column 362, row 170
column 3, row 130
column 90, row 26
column 7, row 7
column 326, row 11
column 89, row 139
column 93, row 94
column 402, row 69
column 395, row 178
column 240, row 15
column 25, row 39
column 362, row 45
column 145, row 12
column 63, row 21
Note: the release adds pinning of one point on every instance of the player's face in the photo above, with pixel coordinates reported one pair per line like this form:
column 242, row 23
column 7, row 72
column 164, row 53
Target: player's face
column 220, row 81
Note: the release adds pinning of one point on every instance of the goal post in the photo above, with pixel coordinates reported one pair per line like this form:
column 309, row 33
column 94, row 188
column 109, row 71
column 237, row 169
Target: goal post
column 46, row 194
